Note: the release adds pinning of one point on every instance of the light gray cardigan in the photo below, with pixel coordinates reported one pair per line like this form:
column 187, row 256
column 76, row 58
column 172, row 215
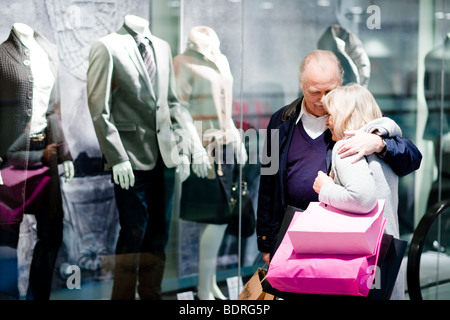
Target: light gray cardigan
column 358, row 186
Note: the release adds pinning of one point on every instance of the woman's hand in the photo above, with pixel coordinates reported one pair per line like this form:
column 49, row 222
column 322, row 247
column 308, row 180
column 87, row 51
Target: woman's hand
column 320, row 180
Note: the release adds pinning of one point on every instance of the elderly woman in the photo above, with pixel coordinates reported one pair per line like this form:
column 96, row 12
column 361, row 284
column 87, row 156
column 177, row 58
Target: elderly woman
column 355, row 186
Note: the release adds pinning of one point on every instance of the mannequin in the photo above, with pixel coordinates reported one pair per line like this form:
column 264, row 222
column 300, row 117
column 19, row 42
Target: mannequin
column 123, row 172
column 30, row 111
column 437, row 69
column 42, row 75
column 139, row 124
column 350, row 52
column 204, row 84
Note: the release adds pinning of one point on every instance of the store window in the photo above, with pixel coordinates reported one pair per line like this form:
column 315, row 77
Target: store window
column 397, row 49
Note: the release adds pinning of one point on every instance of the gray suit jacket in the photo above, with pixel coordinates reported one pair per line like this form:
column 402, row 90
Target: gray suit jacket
column 134, row 121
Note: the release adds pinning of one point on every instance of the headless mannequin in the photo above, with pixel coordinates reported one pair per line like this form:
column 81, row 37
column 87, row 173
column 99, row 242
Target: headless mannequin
column 123, row 172
column 205, row 41
column 49, row 227
column 43, row 77
column 436, row 62
column 210, row 240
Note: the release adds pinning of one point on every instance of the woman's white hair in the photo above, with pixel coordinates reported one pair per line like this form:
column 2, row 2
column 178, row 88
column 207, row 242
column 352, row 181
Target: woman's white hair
column 351, row 106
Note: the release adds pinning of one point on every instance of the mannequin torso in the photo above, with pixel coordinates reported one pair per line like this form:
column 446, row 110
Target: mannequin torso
column 43, row 79
column 138, row 25
column 123, row 172
column 43, row 82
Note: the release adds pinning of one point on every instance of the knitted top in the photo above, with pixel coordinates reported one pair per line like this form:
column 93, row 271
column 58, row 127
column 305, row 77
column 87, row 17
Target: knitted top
column 357, row 186
column 305, row 158
column 16, row 100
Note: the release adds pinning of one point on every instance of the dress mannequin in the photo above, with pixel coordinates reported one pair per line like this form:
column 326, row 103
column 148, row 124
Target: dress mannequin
column 204, row 86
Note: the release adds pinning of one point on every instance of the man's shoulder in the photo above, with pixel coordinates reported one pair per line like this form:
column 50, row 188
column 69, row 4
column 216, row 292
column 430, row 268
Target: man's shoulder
column 287, row 112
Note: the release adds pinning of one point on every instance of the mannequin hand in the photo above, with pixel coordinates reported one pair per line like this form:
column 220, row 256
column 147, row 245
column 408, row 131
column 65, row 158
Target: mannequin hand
column 69, row 171
column 201, row 164
column 320, row 180
column 241, row 154
column 361, row 143
column 183, row 170
column 123, row 175
column 446, row 142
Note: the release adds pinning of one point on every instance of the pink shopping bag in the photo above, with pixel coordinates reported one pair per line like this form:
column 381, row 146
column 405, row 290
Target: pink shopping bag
column 322, row 229
column 330, row 274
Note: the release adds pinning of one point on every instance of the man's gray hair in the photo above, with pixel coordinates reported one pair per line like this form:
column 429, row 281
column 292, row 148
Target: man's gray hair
column 320, row 56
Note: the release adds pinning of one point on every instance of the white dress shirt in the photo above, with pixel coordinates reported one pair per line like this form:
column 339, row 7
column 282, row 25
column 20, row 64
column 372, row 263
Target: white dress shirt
column 314, row 126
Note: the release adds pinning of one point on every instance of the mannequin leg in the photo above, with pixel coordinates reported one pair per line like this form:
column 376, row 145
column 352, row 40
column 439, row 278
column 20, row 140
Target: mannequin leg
column 217, row 293
column 210, row 241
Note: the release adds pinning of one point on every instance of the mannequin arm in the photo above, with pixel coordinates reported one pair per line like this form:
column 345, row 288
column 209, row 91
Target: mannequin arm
column 446, row 142
column 99, row 80
column 69, row 171
column 123, row 175
column 239, row 146
column 201, row 163
column 183, row 170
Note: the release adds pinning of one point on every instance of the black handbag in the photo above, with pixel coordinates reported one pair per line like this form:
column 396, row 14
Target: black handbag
column 217, row 201
column 248, row 221
column 207, row 200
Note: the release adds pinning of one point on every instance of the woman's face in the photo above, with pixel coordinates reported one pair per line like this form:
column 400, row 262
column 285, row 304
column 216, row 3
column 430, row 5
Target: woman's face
column 330, row 124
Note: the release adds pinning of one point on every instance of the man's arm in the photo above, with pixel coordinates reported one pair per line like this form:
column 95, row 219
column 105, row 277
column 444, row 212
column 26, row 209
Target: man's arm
column 398, row 152
column 402, row 156
column 266, row 199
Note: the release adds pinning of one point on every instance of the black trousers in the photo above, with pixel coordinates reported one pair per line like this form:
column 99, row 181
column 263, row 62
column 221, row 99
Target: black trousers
column 49, row 218
column 144, row 215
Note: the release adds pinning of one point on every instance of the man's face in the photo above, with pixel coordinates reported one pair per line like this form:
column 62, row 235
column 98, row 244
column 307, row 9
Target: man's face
column 318, row 80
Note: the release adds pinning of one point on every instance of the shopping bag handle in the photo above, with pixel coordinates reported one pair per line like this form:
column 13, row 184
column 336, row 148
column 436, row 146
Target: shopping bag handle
column 265, row 275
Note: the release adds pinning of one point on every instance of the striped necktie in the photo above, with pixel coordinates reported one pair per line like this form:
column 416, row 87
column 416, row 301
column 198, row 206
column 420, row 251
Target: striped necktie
column 147, row 55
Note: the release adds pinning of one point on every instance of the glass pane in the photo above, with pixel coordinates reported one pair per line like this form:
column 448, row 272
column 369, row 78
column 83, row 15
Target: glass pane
column 436, row 81
column 208, row 70
column 434, row 260
column 401, row 55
